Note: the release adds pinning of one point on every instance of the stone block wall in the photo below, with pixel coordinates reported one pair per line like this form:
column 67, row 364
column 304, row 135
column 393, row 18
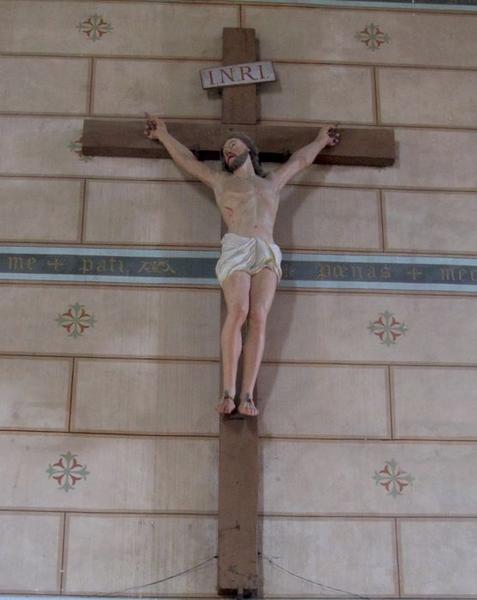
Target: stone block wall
column 108, row 437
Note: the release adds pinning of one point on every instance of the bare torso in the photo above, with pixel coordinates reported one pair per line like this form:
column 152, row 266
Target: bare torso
column 248, row 205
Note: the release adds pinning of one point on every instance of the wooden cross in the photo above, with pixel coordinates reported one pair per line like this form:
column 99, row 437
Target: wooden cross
column 238, row 571
column 359, row 146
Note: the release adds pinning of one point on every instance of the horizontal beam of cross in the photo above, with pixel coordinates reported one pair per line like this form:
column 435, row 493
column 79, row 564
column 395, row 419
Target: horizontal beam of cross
column 358, row 146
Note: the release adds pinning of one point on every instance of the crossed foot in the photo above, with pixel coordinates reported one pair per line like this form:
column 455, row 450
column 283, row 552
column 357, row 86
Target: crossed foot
column 246, row 406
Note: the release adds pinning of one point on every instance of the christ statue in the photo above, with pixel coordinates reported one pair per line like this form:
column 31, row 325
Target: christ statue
column 248, row 269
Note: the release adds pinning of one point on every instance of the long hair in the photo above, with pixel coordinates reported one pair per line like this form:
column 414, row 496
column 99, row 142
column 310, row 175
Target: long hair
column 253, row 153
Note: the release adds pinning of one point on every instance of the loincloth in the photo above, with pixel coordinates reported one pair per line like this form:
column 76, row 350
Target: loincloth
column 250, row 254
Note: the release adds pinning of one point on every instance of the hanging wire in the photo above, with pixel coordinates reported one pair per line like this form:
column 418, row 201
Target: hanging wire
column 263, row 556
column 136, row 587
column 317, row 583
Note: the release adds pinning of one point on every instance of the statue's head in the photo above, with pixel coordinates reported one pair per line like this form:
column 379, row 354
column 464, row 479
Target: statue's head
column 238, row 147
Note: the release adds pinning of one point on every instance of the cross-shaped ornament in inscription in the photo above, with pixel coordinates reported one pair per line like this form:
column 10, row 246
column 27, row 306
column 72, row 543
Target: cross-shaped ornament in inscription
column 238, row 571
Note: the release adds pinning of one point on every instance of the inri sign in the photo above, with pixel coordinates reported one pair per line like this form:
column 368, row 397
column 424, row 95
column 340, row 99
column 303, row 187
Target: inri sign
column 255, row 72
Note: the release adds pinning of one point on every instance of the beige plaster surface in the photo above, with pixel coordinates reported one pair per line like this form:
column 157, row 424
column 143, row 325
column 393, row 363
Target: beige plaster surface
column 352, row 556
column 440, row 329
column 34, row 393
column 431, row 221
column 138, row 28
column 30, row 546
column 107, row 554
column 151, row 213
column 169, row 88
column 299, row 400
column 144, row 396
column 338, row 477
column 322, row 92
column 438, row 557
column 30, row 84
column 435, row 402
column 52, row 205
column 327, row 34
column 405, row 95
column 321, row 217
column 123, row 474
column 128, row 322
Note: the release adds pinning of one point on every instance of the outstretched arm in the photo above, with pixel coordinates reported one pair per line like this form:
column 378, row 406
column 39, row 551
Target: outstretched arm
column 302, row 158
column 156, row 130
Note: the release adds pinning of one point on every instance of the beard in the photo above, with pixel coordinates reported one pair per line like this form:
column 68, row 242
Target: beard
column 237, row 162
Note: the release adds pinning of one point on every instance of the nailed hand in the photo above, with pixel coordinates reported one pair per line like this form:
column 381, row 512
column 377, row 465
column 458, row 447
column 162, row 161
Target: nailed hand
column 329, row 135
column 154, row 127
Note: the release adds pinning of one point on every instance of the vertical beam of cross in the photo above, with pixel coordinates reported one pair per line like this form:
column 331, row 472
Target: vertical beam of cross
column 239, row 103
column 238, row 451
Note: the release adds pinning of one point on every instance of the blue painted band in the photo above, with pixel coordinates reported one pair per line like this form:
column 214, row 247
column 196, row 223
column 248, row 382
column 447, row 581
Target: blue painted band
column 462, row 5
column 197, row 267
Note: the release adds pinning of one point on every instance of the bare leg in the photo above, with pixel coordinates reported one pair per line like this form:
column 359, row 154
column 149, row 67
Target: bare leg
column 262, row 292
column 236, row 290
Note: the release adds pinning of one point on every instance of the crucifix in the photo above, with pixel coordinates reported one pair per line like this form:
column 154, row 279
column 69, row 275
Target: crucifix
column 238, row 571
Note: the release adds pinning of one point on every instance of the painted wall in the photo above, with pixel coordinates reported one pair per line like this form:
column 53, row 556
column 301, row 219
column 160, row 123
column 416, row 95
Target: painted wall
column 109, row 440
